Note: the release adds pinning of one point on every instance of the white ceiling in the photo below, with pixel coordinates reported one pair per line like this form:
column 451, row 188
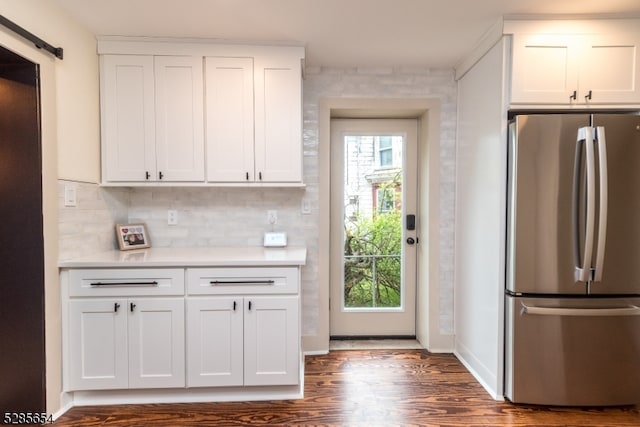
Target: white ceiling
column 341, row 33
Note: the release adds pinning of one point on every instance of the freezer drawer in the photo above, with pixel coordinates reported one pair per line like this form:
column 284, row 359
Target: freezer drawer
column 574, row 352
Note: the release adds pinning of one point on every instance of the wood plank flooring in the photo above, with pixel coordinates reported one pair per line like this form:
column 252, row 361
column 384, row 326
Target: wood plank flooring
column 364, row 388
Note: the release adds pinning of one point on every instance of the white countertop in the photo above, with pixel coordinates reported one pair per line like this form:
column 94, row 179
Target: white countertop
column 192, row 257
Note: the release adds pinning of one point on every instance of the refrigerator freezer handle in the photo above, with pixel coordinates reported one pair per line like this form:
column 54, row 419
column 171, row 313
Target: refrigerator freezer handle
column 604, row 195
column 583, row 271
column 582, row 312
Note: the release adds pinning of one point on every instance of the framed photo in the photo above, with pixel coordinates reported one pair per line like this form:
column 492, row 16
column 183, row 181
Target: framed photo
column 132, row 236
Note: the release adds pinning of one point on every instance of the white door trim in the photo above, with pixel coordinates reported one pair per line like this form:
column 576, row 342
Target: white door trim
column 428, row 306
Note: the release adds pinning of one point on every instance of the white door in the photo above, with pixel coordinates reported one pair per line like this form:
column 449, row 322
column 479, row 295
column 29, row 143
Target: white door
column 373, row 227
column 156, row 342
column 214, row 341
column 271, row 340
column 97, row 344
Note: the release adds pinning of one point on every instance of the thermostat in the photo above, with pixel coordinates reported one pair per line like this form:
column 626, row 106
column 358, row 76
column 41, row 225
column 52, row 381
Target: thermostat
column 277, row 240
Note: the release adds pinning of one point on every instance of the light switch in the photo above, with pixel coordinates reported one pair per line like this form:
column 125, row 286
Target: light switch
column 70, row 194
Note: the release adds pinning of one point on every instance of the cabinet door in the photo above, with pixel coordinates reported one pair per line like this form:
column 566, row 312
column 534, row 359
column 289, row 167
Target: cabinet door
column 278, row 119
column 610, row 71
column 97, row 357
column 544, row 69
column 214, row 342
column 128, row 118
column 229, row 121
column 156, row 342
column 179, row 118
column 271, row 341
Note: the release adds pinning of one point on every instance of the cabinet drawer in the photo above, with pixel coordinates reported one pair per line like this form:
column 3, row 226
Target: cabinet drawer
column 126, row 282
column 225, row 281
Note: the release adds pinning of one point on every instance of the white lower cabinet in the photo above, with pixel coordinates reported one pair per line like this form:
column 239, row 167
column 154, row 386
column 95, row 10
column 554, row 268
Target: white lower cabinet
column 271, row 343
column 181, row 332
column 235, row 340
column 117, row 343
column 214, row 341
column 98, row 355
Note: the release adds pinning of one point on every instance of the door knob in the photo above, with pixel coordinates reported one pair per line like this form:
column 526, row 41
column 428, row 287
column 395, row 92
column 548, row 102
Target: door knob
column 411, row 240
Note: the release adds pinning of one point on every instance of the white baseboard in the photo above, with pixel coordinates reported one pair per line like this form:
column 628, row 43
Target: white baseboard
column 483, row 375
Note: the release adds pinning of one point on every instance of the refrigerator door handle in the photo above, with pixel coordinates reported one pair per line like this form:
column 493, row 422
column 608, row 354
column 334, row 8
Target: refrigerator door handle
column 581, row 312
column 583, row 270
column 604, row 195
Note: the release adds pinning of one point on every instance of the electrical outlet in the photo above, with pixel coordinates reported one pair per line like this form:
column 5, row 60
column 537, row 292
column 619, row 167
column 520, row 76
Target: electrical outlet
column 306, row 207
column 272, row 217
column 172, row 217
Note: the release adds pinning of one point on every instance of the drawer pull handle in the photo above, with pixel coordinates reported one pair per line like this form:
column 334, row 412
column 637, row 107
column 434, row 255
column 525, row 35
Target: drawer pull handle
column 132, row 306
column 153, row 283
column 242, row 282
column 116, row 306
column 583, row 312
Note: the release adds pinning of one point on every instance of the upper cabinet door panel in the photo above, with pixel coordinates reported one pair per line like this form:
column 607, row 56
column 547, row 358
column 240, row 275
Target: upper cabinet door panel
column 229, row 120
column 278, row 120
column 544, row 70
column 610, row 72
column 179, row 118
column 128, row 111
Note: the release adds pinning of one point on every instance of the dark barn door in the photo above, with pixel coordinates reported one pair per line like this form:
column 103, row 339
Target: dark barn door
column 22, row 350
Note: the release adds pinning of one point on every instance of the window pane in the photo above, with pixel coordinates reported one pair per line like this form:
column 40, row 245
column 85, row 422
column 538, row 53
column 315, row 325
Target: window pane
column 372, row 222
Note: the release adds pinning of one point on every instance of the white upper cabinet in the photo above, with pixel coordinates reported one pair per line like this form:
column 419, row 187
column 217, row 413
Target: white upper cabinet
column 192, row 113
column 152, row 113
column 278, row 132
column 179, row 118
column 254, row 119
column 584, row 69
column 128, row 118
column 229, row 98
column 610, row 72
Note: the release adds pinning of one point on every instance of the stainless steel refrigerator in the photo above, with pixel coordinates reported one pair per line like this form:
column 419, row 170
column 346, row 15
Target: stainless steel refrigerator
column 573, row 260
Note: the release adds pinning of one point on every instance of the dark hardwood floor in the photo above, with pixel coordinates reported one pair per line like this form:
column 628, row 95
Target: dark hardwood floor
column 364, row 388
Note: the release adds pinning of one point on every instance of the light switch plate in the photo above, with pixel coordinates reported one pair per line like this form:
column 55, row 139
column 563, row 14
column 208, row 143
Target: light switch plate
column 275, row 240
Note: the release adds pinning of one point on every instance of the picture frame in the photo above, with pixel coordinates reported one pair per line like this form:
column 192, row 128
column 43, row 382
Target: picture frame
column 132, row 236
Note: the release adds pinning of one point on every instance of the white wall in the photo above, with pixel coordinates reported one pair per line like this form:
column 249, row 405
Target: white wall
column 69, row 126
column 480, row 219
